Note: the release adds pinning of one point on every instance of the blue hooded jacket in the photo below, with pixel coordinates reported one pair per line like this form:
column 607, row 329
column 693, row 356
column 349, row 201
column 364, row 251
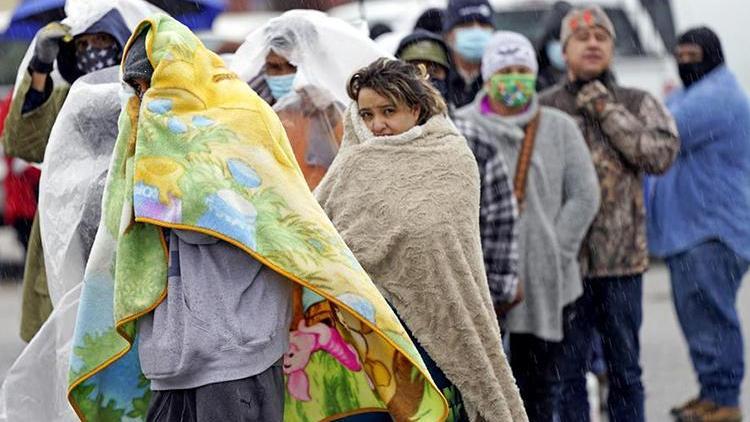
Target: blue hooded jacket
column 706, row 193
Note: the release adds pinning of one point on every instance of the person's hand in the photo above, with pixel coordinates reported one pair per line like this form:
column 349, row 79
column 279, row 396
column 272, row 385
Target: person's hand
column 593, row 98
column 48, row 45
column 503, row 309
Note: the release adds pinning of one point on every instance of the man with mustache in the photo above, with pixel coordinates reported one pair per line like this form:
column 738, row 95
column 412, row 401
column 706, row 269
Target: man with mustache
column 629, row 134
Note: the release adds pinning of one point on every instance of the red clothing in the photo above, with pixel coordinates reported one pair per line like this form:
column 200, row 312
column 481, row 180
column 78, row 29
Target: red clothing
column 20, row 183
column 4, row 109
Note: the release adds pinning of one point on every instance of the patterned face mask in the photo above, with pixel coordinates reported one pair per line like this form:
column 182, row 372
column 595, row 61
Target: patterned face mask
column 513, row 89
column 94, row 58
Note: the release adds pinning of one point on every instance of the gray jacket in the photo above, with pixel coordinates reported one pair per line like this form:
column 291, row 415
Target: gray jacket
column 562, row 198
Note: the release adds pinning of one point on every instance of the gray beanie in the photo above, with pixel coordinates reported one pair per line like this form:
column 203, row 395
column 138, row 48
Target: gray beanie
column 507, row 48
column 585, row 18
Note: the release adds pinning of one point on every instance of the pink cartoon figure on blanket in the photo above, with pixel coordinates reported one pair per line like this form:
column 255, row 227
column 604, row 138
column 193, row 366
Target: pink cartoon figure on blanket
column 306, row 341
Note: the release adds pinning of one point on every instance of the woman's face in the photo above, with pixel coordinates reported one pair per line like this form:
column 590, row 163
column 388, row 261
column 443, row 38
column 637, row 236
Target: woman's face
column 382, row 116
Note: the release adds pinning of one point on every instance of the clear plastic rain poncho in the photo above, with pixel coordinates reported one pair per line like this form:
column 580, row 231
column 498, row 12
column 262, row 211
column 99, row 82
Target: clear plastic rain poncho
column 326, row 52
column 73, row 176
column 81, row 14
column 75, row 165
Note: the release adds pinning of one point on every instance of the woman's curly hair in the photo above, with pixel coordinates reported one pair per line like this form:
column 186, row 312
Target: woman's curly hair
column 400, row 82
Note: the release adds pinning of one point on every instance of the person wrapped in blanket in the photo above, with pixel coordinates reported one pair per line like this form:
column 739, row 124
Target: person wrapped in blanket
column 404, row 192
column 214, row 288
column 73, row 50
column 187, row 309
column 299, row 63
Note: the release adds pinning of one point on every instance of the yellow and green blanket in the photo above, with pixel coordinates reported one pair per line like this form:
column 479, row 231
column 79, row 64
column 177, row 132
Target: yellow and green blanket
column 203, row 152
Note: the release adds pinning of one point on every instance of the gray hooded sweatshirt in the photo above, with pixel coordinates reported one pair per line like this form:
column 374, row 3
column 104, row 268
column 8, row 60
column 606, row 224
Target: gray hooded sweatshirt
column 226, row 316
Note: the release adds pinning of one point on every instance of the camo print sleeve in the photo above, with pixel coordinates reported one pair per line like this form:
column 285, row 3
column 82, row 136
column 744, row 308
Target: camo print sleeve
column 648, row 141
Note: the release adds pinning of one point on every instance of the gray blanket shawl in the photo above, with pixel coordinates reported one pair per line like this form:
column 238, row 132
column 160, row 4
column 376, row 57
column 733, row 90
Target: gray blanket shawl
column 408, row 207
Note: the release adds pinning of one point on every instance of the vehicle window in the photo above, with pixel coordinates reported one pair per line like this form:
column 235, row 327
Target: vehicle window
column 526, row 22
column 627, row 42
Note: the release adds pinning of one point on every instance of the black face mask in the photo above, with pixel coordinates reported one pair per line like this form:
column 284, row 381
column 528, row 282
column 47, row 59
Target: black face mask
column 691, row 73
column 441, row 86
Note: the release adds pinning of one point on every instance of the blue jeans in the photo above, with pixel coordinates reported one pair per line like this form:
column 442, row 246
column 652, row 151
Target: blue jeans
column 705, row 281
column 596, row 357
column 613, row 306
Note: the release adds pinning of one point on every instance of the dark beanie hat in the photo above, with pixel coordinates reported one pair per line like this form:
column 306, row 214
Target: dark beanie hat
column 463, row 11
column 431, row 20
column 137, row 64
column 379, row 29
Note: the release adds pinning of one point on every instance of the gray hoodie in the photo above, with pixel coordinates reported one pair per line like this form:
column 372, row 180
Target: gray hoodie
column 226, row 316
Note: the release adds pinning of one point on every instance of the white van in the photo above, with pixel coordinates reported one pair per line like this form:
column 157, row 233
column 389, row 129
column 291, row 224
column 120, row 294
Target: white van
column 641, row 59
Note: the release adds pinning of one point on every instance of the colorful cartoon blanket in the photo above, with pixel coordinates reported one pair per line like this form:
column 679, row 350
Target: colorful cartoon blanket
column 202, row 152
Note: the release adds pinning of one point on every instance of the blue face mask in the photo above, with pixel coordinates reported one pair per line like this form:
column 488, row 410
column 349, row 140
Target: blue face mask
column 280, row 85
column 555, row 54
column 470, row 43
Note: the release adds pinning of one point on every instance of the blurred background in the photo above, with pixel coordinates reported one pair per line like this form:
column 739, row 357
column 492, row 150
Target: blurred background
column 646, row 28
column 646, row 32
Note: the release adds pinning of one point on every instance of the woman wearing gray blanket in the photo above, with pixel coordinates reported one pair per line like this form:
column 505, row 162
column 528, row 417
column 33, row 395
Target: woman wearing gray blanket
column 558, row 195
column 404, row 193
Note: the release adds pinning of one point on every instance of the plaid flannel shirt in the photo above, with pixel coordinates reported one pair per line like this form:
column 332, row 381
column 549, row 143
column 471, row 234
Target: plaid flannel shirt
column 259, row 85
column 498, row 215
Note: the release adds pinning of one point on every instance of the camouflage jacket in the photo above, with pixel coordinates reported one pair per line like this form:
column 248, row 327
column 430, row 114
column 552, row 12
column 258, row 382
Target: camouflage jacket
column 25, row 137
column 633, row 135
